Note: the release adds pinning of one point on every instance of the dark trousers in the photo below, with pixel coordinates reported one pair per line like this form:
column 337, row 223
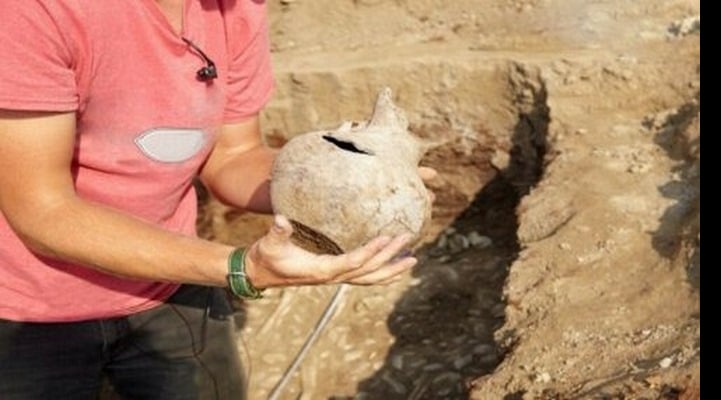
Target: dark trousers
column 183, row 349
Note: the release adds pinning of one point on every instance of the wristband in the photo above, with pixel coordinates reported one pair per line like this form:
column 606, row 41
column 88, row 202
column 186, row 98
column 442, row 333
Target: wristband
column 237, row 278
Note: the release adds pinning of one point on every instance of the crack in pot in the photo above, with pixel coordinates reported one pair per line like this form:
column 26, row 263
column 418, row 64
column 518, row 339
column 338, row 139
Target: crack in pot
column 346, row 145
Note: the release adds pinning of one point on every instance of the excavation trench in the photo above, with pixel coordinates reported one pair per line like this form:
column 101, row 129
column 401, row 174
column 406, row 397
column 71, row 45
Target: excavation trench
column 598, row 299
column 444, row 323
column 429, row 336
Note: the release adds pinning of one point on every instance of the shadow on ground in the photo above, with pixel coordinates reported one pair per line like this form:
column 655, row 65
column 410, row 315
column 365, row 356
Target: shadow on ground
column 444, row 324
column 679, row 229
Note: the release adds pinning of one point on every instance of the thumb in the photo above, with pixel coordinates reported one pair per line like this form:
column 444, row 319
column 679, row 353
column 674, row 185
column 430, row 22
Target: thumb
column 281, row 229
column 427, row 173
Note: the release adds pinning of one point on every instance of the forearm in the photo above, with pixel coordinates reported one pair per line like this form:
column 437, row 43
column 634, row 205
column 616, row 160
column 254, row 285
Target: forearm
column 42, row 207
column 243, row 179
column 238, row 170
column 71, row 229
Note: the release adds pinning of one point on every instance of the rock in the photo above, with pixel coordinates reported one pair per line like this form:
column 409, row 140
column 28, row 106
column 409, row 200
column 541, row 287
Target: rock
column 457, row 243
column 501, row 160
column 479, row 241
column 352, row 356
column 542, row 213
column 462, row 361
column 666, row 362
column 397, row 361
column 686, row 26
column 395, row 385
column 433, row 367
column 484, row 349
column 342, row 188
column 543, row 377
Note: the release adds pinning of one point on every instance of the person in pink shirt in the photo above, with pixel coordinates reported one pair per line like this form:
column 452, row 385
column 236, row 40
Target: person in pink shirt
column 108, row 112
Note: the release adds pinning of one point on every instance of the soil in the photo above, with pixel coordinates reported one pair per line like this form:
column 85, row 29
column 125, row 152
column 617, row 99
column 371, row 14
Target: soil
column 564, row 258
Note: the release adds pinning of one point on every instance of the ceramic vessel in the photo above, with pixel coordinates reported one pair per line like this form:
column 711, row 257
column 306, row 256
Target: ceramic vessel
column 341, row 188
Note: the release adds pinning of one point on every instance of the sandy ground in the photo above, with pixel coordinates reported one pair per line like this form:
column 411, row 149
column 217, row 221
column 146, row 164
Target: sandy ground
column 564, row 260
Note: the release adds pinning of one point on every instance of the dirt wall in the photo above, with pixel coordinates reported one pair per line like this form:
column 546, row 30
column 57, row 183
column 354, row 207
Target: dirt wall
column 564, row 258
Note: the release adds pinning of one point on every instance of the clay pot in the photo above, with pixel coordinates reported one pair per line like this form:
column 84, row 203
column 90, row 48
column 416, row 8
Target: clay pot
column 340, row 188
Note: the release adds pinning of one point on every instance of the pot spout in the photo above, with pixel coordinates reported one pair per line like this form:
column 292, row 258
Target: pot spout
column 386, row 114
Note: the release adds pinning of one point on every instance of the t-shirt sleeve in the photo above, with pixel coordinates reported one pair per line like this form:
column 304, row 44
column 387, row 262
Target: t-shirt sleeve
column 250, row 75
column 36, row 70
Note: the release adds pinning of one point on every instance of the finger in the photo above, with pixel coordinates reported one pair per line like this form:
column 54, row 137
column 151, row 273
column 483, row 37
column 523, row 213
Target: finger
column 391, row 281
column 394, row 279
column 431, row 196
column 334, row 267
column 387, row 274
column 395, row 250
column 376, row 260
column 281, row 230
column 427, row 173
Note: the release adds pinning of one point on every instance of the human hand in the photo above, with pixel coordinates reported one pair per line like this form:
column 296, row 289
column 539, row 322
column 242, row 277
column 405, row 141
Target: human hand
column 274, row 260
column 427, row 174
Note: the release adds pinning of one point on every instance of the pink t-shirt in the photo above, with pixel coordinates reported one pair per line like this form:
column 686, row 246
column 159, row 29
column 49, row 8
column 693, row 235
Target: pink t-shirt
column 145, row 125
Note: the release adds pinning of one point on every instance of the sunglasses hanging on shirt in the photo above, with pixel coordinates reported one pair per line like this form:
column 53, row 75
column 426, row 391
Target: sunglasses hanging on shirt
column 207, row 73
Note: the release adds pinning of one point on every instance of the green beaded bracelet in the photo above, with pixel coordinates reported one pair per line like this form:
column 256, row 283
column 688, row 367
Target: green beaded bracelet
column 237, row 279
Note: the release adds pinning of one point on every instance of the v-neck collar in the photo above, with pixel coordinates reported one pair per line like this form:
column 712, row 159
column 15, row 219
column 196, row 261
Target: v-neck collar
column 160, row 15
